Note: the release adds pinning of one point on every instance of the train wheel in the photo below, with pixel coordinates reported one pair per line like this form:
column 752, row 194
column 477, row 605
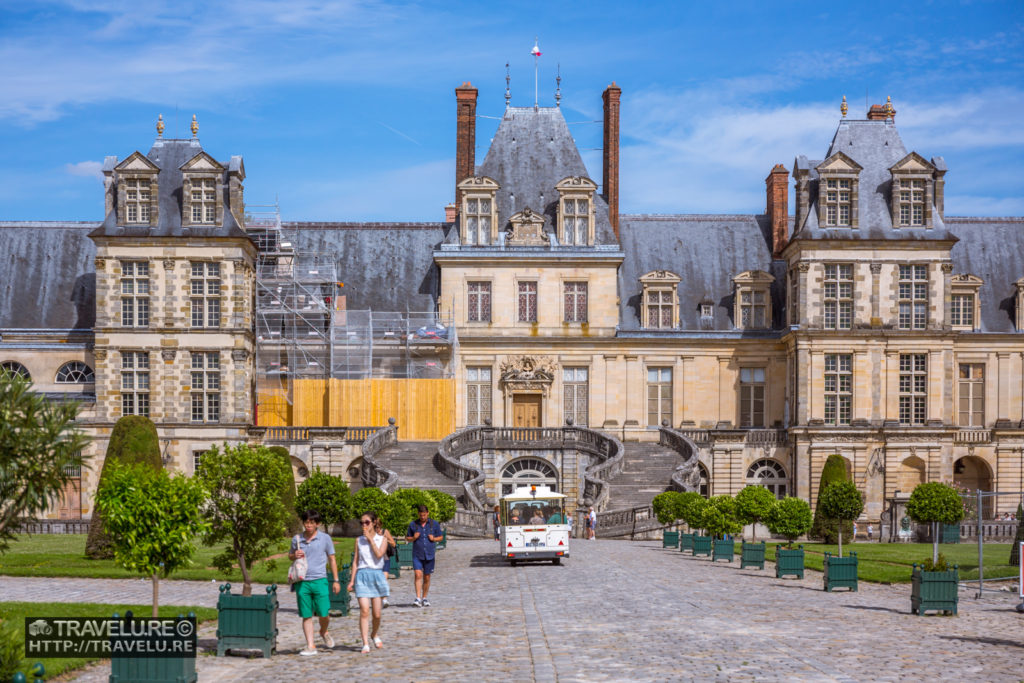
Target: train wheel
column 557, row 561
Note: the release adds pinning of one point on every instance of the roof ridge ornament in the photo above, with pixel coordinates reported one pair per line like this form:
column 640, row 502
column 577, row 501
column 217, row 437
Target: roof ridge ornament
column 160, row 126
column 508, row 90
column 843, row 108
column 889, row 111
column 558, row 86
column 195, row 126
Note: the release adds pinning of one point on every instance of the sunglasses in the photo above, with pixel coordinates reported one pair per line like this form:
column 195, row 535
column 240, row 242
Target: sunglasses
column 366, row 522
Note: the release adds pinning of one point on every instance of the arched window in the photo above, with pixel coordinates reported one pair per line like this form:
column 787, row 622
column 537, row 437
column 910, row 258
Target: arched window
column 769, row 474
column 705, row 481
column 528, row 471
column 15, row 368
column 75, row 372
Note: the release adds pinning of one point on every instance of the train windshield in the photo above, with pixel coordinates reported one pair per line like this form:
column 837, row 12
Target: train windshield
column 533, row 511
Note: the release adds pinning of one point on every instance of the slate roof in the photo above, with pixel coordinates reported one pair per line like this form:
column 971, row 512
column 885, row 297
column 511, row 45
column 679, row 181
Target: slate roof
column 169, row 155
column 707, row 252
column 992, row 249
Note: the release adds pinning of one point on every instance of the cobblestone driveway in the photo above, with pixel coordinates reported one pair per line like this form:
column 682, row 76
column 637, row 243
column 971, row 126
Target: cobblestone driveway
column 614, row 611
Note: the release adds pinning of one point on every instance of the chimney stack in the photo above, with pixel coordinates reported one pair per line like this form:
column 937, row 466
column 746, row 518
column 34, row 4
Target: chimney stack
column 465, row 136
column 777, row 184
column 449, row 213
column 882, row 112
column 610, row 181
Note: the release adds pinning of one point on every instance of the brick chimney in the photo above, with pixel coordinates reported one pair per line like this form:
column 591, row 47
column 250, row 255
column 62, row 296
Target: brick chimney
column 610, row 181
column 449, row 213
column 777, row 184
column 465, row 136
column 881, row 112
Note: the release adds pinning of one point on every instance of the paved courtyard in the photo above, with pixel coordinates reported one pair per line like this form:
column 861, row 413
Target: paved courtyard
column 614, row 611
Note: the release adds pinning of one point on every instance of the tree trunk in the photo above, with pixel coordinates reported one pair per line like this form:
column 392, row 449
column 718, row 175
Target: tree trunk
column 840, row 540
column 246, row 580
column 935, row 542
column 753, row 530
column 156, row 596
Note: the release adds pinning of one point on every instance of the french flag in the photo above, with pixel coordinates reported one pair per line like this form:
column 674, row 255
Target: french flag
column 536, row 50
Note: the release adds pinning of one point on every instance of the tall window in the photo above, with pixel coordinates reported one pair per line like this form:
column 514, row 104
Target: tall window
column 913, row 297
column 752, row 397
column 911, row 202
column 753, row 309
column 659, row 396
column 134, row 293
column 135, row 383
column 575, row 302
column 838, row 296
column 204, row 200
column 205, row 294
column 478, row 395
column 575, row 395
column 913, row 388
column 479, row 302
column 575, row 221
column 962, row 310
column 205, row 386
column 972, row 395
column 838, row 388
column 136, row 200
column 660, row 306
column 769, row 474
column 794, row 297
column 478, row 221
column 527, row 302
column 837, row 202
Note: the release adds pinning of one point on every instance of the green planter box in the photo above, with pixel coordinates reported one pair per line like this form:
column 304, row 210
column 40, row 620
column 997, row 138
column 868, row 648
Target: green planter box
column 152, row 669
column 752, row 555
column 685, row 542
column 934, row 590
column 950, row 533
column 789, row 562
column 670, row 539
column 443, row 543
column 723, row 550
column 701, row 545
column 340, row 600
column 404, row 556
column 840, row 572
column 247, row 622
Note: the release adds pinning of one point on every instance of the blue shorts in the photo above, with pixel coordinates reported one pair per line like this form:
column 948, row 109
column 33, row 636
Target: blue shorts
column 371, row 583
column 425, row 566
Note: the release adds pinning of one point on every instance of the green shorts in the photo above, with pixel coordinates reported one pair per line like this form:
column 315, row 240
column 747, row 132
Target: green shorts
column 313, row 598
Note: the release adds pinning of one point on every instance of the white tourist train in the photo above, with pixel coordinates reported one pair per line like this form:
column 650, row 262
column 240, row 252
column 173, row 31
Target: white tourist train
column 534, row 526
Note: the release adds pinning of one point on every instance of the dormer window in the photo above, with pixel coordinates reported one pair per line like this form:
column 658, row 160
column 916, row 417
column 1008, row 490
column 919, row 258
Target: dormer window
column 910, row 198
column 204, row 200
column 202, row 195
column 661, row 300
column 576, row 211
column 136, row 201
column 964, row 310
column 479, row 215
column 136, row 182
column 753, row 309
column 837, row 202
column 912, row 189
column 837, row 192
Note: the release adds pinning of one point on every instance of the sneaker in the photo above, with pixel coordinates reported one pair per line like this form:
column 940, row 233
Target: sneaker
column 425, row 603
column 308, row 653
column 417, row 602
column 365, row 650
column 328, row 640
column 385, row 603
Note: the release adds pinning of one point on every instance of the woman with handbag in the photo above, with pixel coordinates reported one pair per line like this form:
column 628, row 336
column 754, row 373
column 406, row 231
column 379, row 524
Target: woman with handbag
column 368, row 578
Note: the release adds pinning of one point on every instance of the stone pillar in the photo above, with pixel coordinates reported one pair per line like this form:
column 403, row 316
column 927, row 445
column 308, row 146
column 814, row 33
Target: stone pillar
column 876, row 316
column 1006, row 380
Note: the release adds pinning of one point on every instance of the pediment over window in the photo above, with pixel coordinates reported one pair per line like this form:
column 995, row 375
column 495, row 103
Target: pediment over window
column 967, row 280
column 527, row 229
column 202, row 163
column 478, row 183
column 839, row 163
column 754, row 277
column 656, row 277
column 137, row 162
column 576, row 183
column 913, row 163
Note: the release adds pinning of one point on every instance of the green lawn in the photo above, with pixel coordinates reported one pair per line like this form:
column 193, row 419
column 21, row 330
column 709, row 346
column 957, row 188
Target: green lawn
column 17, row 611
column 64, row 555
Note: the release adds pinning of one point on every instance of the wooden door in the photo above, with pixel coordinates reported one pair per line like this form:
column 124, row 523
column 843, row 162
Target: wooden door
column 70, row 506
column 526, row 410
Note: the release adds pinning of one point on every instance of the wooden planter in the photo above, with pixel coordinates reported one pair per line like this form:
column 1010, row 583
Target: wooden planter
column 702, row 545
column 934, row 590
column 247, row 622
column 789, row 562
column 685, row 542
column 752, row 555
column 670, row 539
column 723, row 550
column 152, row 669
column 840, row 572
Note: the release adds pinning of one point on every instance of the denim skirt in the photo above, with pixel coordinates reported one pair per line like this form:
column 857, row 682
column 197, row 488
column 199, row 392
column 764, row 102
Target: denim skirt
column 371, row 583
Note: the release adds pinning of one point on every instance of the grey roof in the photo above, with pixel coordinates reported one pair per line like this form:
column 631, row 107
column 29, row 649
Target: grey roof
column 992, row 249
column 169, row 155
column 530, row 153
column 47, row 275
column 876, row 146
column 707, row 252
column 385, row 266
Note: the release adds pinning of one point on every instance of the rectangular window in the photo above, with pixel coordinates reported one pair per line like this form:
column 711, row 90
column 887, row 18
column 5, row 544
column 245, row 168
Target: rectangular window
column 659, row 396
column 134, row 294
column 838, row 388
column 527, row 302
column 837, row 202
column 962, row 310
column 137, row 199
column 753, row 309
column 205, row 386
column 478, row 395
column 911, row 202
column 659, row 309
column 972, row 395
column 913, row 388
column 204, row 200
column 196, row 457
column 575, row 394
column 479, row 302
column 752, row 383
column 913, row 297
column 794, row 297
column 135, row 383
column 575, row 221
column 575, row 302
column 478, row 221
column 205, row 294
column 838, row 296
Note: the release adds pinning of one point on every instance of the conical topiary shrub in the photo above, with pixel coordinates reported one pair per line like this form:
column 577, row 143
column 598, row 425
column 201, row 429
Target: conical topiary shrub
column 133, row 441
column 288, row 494
column 824, row 528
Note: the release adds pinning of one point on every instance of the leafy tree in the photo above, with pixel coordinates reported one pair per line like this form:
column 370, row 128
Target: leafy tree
column 38, row 445
column 152, row 519
column 666, row 506
column 133, row 441
column 288, row 492
column 790, row 518
column 245, row 505
column 372, row 499
column 1018, row 539
column 403, row 508
column 446, row 505
column 691, row 507
column 753, row 505
column 935, row 503
column 841, row 501
column 328, row 495
column 718, row 517
column 823, row 527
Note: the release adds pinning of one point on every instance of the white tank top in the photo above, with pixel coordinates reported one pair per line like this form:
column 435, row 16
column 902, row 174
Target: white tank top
column 367, row 560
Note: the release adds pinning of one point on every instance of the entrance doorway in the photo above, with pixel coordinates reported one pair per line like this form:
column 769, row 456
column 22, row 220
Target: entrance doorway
column 526, row 410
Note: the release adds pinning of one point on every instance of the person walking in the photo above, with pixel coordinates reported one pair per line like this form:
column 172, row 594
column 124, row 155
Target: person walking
column 592, row 524
column 369, row 579
column 423, row 533
column 871, row 531
column 496, row 522
column 311, row 593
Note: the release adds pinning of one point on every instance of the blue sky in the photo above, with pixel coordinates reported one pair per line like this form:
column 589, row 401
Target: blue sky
column 346, row 111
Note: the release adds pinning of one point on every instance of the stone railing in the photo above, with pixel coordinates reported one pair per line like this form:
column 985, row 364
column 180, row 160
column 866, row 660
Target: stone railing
column 608, row 452
column 56, row 526
column 448, row 460
column 468, row 523
column 769, row 437
column 701, row 437
column 687, row 475
column 372, row 473
column 972, row 436
column 350, row 435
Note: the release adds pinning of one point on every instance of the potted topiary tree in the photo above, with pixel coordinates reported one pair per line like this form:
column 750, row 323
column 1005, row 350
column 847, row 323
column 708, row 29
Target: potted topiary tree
column 690, row 505
column 720, row 521
column 666, row 509
column 842, row 502
column 697, row 511
column 934, row 586
column 328, row 495
column 791, row 519
column 753, row 505
column 443, row 511
column 823, row 527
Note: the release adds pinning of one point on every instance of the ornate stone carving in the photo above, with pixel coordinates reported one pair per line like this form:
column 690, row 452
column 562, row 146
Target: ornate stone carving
column 100, row 354
column 876, row 268
column 803, row 266
column 240, row 355
column 947, row 268
column 519, row 373
column 527, row 229
column 101, row 263
column 168, row 264
column 168, row 354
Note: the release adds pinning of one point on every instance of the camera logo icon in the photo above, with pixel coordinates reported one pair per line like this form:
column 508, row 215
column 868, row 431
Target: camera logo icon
column 40, row 627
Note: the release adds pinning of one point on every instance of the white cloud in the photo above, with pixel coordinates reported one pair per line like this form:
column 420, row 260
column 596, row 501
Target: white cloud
column 86, row 169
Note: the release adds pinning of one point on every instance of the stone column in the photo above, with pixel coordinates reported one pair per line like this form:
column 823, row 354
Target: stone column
column 876, row 316
column 1005, row 382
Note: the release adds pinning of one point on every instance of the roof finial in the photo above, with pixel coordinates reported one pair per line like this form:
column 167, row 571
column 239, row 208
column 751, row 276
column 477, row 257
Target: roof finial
column 558, row 87
column 889, row 112
column 508, row 91
column 160, row 126
column 843, row 108
column 195, row 126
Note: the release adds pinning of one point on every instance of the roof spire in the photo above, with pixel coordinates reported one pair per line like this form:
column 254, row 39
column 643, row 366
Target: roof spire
column 195, row 126
column 558, row 87
column 160, row 126
column 508, row 91
column 889, row 111
column 843, row 108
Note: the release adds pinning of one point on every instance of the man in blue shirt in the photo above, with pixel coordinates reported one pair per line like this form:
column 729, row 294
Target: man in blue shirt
column 423, row 533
